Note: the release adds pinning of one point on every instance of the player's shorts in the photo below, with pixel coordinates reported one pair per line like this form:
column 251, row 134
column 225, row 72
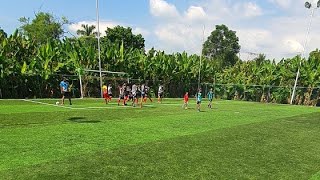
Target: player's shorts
column 66, row 94
column 143, row 94
column 210, row 100
column 160, row 95
column 110, row 95
column 105, row 95
column 198, row 102
column 121, row 97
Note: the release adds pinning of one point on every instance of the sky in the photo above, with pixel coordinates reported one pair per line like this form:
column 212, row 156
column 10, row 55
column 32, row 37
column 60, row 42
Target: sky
column 277, row 28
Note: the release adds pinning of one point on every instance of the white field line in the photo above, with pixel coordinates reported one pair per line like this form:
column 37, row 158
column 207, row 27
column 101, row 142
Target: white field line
column 79, row 108
column 47, row 104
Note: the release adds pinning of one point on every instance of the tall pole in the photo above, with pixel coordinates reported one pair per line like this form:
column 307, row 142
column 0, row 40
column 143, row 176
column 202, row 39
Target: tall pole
column 303, row 56
column 81, row 90
column 199, row 80
column 98, row 35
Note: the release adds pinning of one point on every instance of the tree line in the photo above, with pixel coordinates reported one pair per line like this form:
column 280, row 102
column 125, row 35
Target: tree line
column 35, row 57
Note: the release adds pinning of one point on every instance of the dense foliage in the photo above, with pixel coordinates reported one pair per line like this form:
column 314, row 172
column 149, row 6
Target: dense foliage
column 30, row 69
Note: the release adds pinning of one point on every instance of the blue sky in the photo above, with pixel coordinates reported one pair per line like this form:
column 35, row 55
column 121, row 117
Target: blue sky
column 274, row 27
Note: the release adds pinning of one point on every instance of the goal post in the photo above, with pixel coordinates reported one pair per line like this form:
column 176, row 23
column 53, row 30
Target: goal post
column 116, row 76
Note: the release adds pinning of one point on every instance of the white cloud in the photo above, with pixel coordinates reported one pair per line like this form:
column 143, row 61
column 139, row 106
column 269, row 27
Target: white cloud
column 252, row 10
column 162, row 9
column 172, row 33
column 107, row 24
column 179, row 37
column 195, row 13
column 103, row 26
column 246, row 9
column 292, row 46
column 251, row 40
column 145, row 33
column 282, row 3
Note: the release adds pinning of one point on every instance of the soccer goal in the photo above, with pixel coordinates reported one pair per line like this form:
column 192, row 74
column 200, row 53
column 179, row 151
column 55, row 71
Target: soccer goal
column 89, row 82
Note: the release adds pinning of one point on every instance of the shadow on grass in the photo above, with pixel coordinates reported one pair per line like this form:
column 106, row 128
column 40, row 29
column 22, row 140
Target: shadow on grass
column 81, row 120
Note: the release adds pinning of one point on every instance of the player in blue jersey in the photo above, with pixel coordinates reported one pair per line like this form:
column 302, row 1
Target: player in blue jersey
column 210, row 96
column 64, row 88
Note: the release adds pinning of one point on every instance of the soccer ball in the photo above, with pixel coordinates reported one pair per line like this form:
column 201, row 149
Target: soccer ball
column 57, row 103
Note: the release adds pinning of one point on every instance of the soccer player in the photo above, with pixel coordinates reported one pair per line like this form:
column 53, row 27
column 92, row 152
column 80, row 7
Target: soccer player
column 147, row 95
column 125, row 94
column 121, row 95
column 128, row 88
column 199, row 99
column 128, row 94
column 134, row 94
column 143, row 93
column 185, row 100
column 210, row 98
column 105, row 93
column 109, row 92
column 160, row 93
column 64, row 88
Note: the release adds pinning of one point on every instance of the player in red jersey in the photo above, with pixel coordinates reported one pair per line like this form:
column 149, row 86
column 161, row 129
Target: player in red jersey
column 105, row 93
column 185, row 100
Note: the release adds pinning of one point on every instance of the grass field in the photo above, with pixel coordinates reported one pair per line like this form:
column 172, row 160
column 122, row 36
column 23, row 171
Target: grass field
column 91, row 140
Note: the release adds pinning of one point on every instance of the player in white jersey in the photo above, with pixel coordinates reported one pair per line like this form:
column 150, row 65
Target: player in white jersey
column 143, row 93
column 109, row 92
column 134, row 94
column 121, row 95
column 160, row 93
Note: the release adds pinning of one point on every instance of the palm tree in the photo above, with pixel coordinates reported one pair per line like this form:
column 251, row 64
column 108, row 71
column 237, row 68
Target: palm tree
column 87, row 30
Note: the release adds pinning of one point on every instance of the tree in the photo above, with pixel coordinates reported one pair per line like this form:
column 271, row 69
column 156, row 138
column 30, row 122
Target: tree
column 118, row 34
column 86, row 30
column 260, row 59
column 2, row 34
column 222, row 44
column 43, row 27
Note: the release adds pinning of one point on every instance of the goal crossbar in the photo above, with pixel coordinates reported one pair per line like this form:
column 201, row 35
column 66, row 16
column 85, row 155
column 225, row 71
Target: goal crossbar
column 109, row 72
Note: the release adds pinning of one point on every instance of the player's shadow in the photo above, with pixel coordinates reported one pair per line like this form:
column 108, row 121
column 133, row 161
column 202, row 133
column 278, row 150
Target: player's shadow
column 81, row 120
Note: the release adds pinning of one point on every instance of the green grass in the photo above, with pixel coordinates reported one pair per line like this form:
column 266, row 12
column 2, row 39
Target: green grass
column 234, row 140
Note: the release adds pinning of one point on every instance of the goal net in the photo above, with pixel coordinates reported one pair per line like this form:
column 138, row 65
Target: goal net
column 89, row 82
